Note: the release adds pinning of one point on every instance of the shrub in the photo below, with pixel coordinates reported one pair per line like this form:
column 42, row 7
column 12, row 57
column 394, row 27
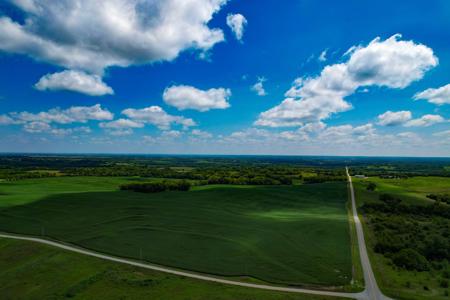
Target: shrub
column 371, row 186
column 410, row 259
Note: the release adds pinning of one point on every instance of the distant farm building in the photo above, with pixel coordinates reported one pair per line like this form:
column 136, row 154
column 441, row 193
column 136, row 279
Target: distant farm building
column 360, row 176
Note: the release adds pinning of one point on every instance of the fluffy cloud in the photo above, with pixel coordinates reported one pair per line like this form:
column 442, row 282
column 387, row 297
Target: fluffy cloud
column 437, row 96
column 188, row 97
column 155, row 115
column 42, row 122
column 312, row 127
column 201, row 134
column 237, row 23
column 346, row 132
column 391, row 118
column 316, row 134
column 294, row 135
column 258, row 87
column 42, row 127
column 171, row 134
column 74, row 114
column 409, row 135
column 404, row 118
column 249, row 135
column 120, row 124
column 120, row 132
column 93, row 35
column 36, row 127
column 425, row 121
column 392, row 63
column 120, row 127
column 75, row 81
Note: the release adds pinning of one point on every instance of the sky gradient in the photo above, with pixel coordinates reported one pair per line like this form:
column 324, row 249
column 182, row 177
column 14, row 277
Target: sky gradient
column 225, row 77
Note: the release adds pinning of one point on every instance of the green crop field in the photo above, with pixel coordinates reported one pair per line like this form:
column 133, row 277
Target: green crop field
column 33, row 271
column 280, row 234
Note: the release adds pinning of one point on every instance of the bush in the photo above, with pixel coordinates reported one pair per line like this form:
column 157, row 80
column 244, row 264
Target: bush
column 440, row 197
column 410, row 259
column 371, row 186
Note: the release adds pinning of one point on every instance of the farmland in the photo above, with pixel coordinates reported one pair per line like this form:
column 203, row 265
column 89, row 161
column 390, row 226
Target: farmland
column 280, row 234
column 33, row 271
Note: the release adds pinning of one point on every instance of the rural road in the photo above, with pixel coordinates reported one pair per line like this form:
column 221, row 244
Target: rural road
column 180, row 273
column 371, row 292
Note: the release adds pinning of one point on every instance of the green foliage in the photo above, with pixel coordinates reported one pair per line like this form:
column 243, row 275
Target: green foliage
column 410, row 259
column 156, row 187
column 409, row 234
column 440, row 197
column 371, row 186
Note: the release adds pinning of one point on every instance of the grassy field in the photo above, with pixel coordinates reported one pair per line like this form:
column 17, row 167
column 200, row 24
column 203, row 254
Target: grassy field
column 397, row 282
column 414, row 189
column 33, row 271
column 281, row 234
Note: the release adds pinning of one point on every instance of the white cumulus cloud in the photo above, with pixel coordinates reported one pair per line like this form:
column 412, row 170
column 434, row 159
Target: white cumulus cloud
column 120, row 127
column 120, row 124
column 437, row 96
column 394, row 118
column 155, row 115
column 237, row 23
column 41, row 122
column 392, row 63
column 74, row 114
column 42, row 127
column 201, row 134
column 258, row 87
column 188, row 97
column 425, row 121
column 75, row 81
column 93, row 35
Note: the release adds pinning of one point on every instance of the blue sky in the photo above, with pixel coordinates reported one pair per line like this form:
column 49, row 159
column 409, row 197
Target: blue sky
column 225, row 77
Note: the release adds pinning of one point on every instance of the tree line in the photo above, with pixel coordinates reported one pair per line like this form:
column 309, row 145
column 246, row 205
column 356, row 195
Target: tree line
column 157, row 186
